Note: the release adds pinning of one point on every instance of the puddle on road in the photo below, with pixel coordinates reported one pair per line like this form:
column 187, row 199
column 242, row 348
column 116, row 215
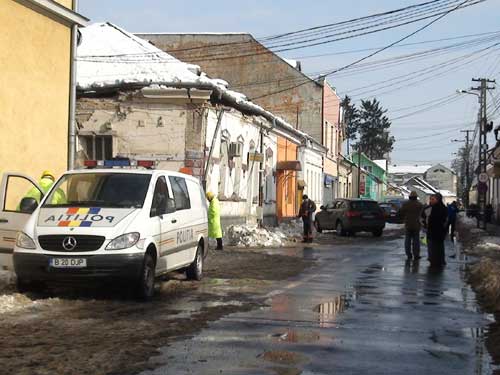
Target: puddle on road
column 374, row 268
column 294, row 336
column 283, row 357
column 328, row 311
column 334, row 307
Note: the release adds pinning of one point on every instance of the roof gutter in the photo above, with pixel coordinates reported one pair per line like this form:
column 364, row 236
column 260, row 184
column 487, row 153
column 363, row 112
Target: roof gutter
column 55, row 11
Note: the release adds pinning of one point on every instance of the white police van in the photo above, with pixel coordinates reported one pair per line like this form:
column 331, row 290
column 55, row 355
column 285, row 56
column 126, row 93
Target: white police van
column 122, row 224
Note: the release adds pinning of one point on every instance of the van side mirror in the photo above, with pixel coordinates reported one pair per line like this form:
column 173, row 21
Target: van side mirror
column 28, row 205
column 170, row 205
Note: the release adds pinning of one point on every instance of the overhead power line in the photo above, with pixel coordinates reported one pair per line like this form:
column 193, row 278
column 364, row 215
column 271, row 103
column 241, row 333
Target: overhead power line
column 378, row 51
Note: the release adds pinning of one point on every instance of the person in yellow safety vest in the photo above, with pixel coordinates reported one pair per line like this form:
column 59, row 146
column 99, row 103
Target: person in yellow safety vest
column 214, row 226
column 46, row 181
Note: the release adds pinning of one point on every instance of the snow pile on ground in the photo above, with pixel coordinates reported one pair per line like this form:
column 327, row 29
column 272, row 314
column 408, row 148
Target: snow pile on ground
column 253, row 236
column 489, row 243
column 15, row 302
column 393, row 226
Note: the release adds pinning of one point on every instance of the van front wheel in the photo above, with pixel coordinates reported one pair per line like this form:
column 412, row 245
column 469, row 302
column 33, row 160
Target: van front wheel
column 146, row 285
column 195, row 270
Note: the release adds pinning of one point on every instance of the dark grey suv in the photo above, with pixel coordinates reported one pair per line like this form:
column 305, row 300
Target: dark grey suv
column 348, row 216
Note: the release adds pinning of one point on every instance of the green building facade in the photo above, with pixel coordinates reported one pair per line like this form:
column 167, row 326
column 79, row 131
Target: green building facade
column 374, row 180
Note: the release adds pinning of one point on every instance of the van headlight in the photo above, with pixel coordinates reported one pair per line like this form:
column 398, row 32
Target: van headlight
column 124, row 241
column 24, row 241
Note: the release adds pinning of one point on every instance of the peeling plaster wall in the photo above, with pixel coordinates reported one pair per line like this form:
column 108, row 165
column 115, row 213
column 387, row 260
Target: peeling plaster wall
column 141, row 130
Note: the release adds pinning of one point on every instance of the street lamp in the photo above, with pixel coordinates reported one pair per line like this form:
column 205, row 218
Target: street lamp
column 467, row 92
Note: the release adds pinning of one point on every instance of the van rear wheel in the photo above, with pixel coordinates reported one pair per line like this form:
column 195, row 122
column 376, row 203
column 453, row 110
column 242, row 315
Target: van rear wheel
column 195, row 270
column 146, row 285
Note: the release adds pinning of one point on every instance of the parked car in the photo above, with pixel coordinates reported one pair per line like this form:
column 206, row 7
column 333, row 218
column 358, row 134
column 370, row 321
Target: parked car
column 391, row 212
column 348, row 216
column 127, row 225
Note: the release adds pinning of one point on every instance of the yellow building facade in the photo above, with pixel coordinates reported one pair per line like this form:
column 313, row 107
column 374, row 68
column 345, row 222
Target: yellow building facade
column 35, row 84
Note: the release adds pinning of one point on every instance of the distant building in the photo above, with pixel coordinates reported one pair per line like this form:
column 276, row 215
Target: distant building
column 399, row 174
column 442, row 178
column 424, row 190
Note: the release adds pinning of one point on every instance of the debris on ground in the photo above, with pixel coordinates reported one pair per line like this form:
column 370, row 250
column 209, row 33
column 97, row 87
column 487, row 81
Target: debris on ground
column 485, row 276
column 250, row 235
column 7, row 279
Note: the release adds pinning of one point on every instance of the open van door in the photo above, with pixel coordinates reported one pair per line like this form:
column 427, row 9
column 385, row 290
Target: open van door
column 13, row 188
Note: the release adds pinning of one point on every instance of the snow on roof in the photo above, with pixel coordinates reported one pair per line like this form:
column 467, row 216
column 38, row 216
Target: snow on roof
column 447, row 193
column 414, row 169
column 110, row 57
column 293, row 63
column 382, row 163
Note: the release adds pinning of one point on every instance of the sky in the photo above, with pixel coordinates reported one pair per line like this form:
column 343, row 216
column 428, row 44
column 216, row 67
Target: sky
column 424, row 137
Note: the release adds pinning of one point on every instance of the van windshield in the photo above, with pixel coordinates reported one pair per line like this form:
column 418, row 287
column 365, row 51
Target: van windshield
column 116, row 190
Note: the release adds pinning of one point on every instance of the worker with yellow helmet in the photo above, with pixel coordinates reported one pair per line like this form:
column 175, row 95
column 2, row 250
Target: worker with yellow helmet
column 46, row 181
column 214, row 226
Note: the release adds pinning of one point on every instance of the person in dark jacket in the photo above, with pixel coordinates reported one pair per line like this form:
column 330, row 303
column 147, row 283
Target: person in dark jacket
column 410, row 213
column 307, row 208
column 452, row 219
column 436, row 218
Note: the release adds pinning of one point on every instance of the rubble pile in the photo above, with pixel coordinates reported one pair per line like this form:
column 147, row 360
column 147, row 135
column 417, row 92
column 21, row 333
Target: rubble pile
column 485, row 276
column 253, row 236
column 7, row 279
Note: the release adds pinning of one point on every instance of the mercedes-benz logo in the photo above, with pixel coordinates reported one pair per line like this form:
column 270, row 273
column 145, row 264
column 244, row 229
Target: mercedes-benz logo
column 69, row 243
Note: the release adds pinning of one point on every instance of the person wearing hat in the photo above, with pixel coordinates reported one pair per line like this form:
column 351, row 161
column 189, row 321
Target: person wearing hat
column 46, row 181
column 307, row 208
column 214, row 226
column 411, row 212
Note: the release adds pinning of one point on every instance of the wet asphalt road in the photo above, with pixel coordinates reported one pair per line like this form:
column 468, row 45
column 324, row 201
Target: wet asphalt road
column 361, row 310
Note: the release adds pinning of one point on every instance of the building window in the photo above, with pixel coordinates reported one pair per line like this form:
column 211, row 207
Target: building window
column 97, row 147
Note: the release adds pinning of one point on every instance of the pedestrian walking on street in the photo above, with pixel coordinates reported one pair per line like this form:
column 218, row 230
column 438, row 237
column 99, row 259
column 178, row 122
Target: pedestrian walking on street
column 452, row 219
column 214, row 226
column 307, row 208
column 411, row 212
column 436, row 222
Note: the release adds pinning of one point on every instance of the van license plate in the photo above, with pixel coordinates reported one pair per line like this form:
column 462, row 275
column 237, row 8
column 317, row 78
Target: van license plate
column 68, row 262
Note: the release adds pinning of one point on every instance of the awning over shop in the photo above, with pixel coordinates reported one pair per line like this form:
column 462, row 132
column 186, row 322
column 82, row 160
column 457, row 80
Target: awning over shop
column 288, row 165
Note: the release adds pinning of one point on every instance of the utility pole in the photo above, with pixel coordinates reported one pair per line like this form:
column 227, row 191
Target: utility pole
column 467, row 167
column 484, row 128
column 359, row 169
